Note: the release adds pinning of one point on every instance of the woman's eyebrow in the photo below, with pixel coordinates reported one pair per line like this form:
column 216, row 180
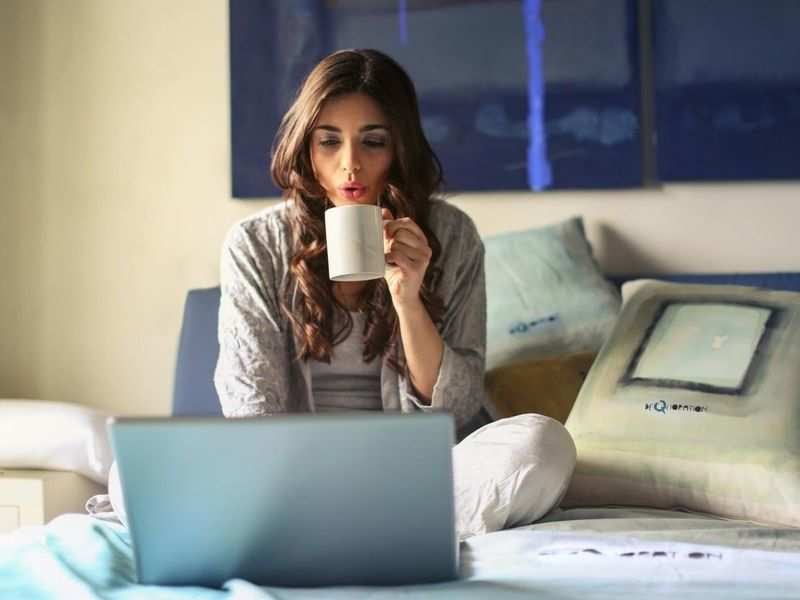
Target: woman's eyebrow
column 373, row 127
column 370, row 127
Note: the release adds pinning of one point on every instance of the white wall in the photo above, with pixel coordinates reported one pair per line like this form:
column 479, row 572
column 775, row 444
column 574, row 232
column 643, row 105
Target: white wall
column 688, row 228
column 115, row 195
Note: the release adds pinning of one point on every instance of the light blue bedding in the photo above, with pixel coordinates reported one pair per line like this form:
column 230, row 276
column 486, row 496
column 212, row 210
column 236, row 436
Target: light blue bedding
column 591, row 554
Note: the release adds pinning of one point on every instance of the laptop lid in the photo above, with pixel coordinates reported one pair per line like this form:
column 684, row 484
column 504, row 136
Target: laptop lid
column 291, row 500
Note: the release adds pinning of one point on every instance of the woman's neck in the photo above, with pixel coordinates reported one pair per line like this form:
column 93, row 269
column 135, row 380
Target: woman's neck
column 348, row 293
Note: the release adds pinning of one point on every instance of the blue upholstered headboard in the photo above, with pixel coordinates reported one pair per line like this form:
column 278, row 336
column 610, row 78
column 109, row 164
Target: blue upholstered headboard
column 773, row 281
column 194, row 392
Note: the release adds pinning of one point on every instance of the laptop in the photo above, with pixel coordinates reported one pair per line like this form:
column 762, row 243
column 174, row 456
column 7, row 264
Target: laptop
column 291, row 500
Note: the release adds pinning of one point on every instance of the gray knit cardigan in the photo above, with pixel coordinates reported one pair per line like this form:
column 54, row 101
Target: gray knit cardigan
column 257, row 372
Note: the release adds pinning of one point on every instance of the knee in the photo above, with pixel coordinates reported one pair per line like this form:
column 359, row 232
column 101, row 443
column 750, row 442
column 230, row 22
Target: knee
column 511, row 472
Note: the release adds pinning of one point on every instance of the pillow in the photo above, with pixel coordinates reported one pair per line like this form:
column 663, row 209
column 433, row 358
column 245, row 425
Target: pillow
column 545, row 295
column 547, row 387
column 35, row 434
column 115, row 496
column 694, row 402
column 509, row 473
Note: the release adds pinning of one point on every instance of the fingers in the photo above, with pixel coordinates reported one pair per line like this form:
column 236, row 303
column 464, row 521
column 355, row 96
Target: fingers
column 412, row 254
column 392, row 227
column 404, row 236
column 405, row 244
column 399, row 260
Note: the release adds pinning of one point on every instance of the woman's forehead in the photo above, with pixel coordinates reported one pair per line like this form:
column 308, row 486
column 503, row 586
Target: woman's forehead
column 353, row 110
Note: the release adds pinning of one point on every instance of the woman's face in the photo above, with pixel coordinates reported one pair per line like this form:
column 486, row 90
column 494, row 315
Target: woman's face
column 352, row 149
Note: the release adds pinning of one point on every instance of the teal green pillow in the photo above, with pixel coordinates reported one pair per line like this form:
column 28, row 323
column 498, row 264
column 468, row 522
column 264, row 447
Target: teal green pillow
column 545, row 295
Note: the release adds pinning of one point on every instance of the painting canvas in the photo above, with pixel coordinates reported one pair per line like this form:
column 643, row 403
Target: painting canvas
column 727, row 90
column 514, row 95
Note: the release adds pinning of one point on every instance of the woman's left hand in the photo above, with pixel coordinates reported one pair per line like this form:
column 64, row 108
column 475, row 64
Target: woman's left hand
column 407, row 257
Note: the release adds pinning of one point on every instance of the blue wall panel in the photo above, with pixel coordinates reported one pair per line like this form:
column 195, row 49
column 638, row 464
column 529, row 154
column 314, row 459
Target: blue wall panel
column 727, row 89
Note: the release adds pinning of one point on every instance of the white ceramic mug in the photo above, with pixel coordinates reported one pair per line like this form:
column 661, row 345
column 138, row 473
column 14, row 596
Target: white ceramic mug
column 354, row 234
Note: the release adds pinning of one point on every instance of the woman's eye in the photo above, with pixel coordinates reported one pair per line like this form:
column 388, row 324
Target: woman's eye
column 328, row 142
column 375, row 142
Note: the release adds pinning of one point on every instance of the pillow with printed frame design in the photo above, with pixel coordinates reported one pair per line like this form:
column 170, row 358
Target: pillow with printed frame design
column 694, row 403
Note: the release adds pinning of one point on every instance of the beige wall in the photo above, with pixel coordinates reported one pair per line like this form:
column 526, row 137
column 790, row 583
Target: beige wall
column 114, row 197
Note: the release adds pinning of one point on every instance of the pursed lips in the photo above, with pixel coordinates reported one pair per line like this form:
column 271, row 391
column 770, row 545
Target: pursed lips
column 352, row 190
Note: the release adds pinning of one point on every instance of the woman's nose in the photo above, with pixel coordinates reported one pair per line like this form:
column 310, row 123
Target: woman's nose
column 351, row 162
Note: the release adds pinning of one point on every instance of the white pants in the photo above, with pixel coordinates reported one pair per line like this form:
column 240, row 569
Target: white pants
column 511, row 472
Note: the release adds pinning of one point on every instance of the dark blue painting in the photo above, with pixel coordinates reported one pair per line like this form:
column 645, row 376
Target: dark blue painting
column 515, row 95
column 727, row 92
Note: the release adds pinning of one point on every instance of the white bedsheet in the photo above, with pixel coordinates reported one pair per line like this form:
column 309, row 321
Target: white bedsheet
column 583, row 554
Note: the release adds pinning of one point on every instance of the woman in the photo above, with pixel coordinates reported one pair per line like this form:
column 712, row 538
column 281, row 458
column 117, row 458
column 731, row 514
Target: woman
column 293, row 341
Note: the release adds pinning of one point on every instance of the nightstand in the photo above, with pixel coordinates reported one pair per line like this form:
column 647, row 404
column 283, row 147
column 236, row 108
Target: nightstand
column 36, row 497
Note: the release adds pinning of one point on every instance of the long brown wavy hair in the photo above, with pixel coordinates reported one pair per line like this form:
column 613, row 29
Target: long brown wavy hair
column 414, row 176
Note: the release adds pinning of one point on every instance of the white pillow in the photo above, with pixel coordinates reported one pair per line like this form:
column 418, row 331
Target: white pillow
column 115, row 496
column 511, row 472
column 35, row 434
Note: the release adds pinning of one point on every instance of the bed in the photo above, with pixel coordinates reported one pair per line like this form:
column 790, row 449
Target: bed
column 584, row 554
column 606, row 550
